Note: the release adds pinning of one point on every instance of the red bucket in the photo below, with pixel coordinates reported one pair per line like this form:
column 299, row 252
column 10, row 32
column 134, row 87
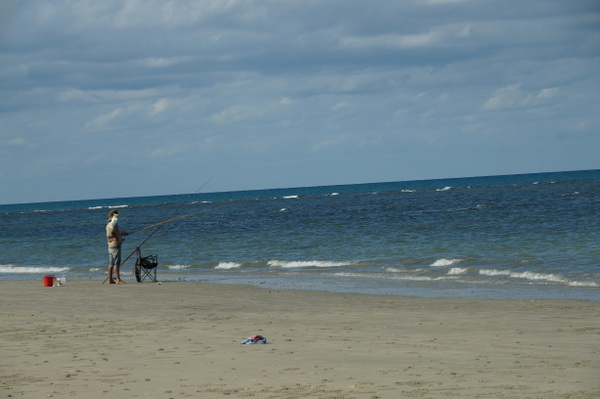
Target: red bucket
column 48, row 281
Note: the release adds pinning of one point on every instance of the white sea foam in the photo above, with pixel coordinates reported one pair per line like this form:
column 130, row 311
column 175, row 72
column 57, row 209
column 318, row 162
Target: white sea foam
column 393, row 270
column 555, row 278
column 334, row 194
column 348, row 274
column 457, row 270
column 582, row 284
column 290, row 196
column 574, row 193
column 445, row 262
column 178, row 267
column 391, row 277
column 300, row 264
column 387, row 277
column 447, row 188
column 31, row 269
column 540, row 276
column 108, row 207
column 494, row 272
column 228, row 265
column 408, row 191
column 417, row 278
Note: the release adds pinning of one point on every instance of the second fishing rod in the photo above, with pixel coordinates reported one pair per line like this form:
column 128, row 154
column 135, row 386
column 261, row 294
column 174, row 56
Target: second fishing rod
column 171, row 218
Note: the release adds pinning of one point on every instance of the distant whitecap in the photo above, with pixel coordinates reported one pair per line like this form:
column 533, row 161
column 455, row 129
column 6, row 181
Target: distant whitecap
column 178, row 267
column 457, row 270
column 228, row 265
column 299, row 264
column 445, row 262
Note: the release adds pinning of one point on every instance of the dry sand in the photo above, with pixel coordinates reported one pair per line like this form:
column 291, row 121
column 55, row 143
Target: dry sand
column 182, row 340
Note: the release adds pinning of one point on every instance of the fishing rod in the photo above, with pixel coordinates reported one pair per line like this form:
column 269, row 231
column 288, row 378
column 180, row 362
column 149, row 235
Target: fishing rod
column 159, row 225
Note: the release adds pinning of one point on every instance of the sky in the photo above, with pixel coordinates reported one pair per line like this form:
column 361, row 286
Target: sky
column 105, row 99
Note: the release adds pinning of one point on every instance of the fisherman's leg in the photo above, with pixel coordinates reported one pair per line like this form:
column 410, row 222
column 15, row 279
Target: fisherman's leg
column 118, row 274
column 118, row 267
column 110, row 274
column 114, row 260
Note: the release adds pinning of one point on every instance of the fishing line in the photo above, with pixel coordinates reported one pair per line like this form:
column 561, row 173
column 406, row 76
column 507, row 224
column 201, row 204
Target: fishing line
column 177, row 218
column 159, row 225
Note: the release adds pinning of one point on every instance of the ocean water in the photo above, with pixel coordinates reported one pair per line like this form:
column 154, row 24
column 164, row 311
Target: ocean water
column 520, row 236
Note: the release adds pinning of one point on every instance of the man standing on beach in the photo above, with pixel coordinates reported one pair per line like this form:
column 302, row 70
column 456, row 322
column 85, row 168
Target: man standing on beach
column 115, row 239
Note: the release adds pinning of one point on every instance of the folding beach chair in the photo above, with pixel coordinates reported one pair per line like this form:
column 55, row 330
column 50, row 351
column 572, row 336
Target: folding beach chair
column 145, row 267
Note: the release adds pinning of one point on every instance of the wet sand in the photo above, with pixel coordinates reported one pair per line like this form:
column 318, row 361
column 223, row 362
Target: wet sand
column 182, row 340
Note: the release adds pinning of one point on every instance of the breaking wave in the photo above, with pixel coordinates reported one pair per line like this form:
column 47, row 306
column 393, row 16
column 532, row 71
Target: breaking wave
column 532, row 276
column 445, row 262
column 301, row 264
column 228, row 265
column 32, row 270
column 457, row 270
column 178, row 267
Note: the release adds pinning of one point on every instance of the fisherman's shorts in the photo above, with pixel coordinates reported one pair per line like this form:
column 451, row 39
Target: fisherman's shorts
column 114, row 256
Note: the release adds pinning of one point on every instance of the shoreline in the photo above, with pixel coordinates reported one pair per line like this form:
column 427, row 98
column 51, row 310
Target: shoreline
column 182, row 339
column 373, row 286
column 409, row 288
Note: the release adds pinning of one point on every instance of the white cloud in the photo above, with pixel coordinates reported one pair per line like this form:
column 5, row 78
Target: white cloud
column 512, row 97
column 159, row 106
column 169, row 150
column 145, row 14
column 504, row 98
column 547, row 93
column 104, row 121
column 161, row 62
column 94, row 96
column 392, row 41
column 339, row 106
column 236, row 113
column 434, row 37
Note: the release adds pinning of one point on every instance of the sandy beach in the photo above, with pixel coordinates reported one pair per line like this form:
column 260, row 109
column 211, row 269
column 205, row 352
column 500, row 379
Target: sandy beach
column 182, row 340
